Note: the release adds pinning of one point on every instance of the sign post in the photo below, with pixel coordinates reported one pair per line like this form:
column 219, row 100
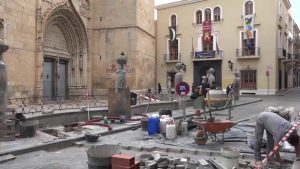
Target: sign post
column 268, row 75
column 182, row 89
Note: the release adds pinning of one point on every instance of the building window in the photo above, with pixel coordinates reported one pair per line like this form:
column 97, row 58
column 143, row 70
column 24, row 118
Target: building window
column 208, row 46
column 1, row 29
column 248, row 79
column 217, row 14
column 248, row 8
column 173, row 50
column 173, row 20
column 207, row 14
column 249, row 45
column 279, row 10
column 199, row 17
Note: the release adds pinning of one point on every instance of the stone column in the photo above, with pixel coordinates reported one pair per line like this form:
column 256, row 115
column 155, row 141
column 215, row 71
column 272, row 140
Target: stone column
column 3, row 79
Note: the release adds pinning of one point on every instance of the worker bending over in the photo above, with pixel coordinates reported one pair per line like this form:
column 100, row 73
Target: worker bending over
column 276, row 127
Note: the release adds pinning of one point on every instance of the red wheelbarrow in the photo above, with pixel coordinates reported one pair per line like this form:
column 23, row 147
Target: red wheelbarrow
column 216, row 127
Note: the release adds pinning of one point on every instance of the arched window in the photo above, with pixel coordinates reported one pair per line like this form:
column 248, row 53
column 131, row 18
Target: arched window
column 173, row 20
column 1, row 29
column 217, row 14
column 199, row 17
column 207, row 14
column 248, row 8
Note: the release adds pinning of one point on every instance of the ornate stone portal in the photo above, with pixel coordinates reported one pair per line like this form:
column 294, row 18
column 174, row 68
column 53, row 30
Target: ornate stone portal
column 119, row 97
column 64, row 53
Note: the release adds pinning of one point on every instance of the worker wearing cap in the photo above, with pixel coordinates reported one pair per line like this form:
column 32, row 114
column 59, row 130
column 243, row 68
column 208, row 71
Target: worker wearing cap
column 276, row 127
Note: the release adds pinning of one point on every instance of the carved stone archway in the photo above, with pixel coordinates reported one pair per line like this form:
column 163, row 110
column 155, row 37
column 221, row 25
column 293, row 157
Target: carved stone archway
column 64, row 47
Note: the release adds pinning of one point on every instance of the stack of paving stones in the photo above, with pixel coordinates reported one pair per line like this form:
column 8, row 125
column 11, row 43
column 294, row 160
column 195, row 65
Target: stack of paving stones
column 160, row 160
column 7, row 126
column 124, row 161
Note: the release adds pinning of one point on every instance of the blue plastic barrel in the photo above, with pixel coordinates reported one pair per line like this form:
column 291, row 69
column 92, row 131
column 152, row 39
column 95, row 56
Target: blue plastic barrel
column 153, row 126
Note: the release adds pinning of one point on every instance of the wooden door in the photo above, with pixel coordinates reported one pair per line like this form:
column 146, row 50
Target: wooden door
column 248, row 79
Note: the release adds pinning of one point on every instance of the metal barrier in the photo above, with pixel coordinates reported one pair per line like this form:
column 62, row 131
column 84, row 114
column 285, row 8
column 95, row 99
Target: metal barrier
column 35, row 104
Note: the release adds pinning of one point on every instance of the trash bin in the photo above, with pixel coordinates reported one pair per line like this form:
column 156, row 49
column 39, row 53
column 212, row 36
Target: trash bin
column 133, row 98
column 28, row 128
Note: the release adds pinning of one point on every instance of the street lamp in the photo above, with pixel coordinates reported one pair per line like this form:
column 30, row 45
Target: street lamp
column 230, row 65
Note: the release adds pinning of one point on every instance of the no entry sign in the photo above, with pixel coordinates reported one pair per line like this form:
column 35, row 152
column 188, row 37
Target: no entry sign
column 182, row 89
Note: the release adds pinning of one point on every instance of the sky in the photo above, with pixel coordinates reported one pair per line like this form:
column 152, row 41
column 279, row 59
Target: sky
column 295, row 8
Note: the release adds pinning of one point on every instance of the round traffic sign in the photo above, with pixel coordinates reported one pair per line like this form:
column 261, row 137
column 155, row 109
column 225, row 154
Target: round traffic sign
column 182, row 89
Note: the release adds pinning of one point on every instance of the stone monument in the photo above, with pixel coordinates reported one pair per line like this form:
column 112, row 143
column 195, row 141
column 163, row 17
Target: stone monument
column 7, row 124
column 211, row 78
column 3, row 79
column 236, row 86
column 121, row 72
column 178, row 75
column 169, row 85
column 119, row 97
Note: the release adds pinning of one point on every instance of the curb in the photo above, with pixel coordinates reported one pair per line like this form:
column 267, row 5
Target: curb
column 287, row 91
column 62, row 143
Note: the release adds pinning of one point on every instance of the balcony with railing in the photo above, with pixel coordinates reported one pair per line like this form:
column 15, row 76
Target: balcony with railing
column 172, row 57
column 281, row 53
column 297, row 40
column 207, row 55
column 248, row 53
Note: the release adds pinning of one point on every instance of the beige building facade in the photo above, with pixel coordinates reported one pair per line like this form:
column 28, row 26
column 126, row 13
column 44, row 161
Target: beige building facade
column 266, row 62
column 61, row 48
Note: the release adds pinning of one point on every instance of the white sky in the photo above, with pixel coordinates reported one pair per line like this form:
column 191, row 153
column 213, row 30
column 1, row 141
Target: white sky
column 158, row 2
column 295, row 8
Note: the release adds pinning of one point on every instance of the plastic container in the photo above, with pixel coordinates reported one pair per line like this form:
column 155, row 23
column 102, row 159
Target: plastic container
column 184, row 126
column 144, row 124
column 28, row 128
column 99, row 157
column 91, row 137
column 171, row 132
column 165, row 112
column 153, row 126
column 201, row 136
column 230, row 157
column 163, row 124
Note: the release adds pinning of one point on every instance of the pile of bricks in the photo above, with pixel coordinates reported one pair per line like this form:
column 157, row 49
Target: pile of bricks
column 124, row 161
column 159, row 160
column 7, row 126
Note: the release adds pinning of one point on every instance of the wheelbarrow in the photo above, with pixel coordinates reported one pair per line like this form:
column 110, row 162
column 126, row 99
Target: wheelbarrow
column 212, row 128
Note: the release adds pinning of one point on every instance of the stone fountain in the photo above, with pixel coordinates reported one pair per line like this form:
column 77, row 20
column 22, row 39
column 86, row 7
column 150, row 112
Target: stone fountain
column 119, row 97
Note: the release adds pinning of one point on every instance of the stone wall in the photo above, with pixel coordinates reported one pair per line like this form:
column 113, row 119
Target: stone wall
column 112, row 27
column 19, row 18
column 124, row 26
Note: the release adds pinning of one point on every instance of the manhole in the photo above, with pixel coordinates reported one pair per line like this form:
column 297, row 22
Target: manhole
column 53, row 166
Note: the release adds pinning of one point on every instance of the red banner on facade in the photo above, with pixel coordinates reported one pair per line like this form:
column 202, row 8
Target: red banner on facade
column 206, row 31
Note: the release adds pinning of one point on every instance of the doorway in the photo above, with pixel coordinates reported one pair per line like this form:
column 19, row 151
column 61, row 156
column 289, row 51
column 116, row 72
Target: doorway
column 55, row 79
column 48, row 80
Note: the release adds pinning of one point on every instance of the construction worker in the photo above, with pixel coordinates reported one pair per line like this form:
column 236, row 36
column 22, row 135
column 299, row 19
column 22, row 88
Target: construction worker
column 276, row 127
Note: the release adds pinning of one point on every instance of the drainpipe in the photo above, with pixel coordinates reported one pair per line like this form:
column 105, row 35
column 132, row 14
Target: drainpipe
column 155, row 67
